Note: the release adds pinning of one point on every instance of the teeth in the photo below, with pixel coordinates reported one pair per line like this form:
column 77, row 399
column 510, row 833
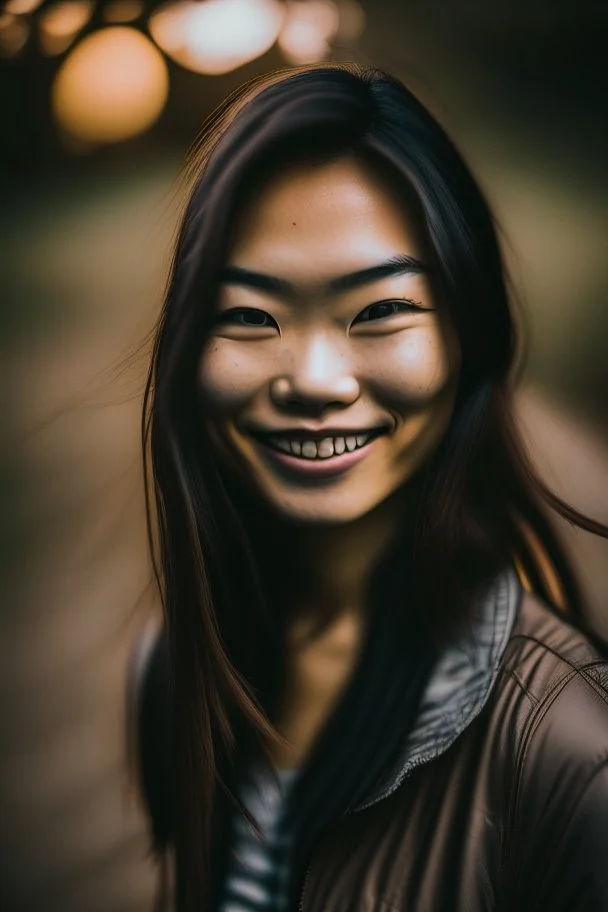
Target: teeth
column 326, row 447
column 322, row 449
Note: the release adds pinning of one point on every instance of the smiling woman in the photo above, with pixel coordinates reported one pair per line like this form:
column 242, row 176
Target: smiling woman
column 354, row 704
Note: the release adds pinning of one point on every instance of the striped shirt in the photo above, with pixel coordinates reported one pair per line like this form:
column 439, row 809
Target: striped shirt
column 258, row 870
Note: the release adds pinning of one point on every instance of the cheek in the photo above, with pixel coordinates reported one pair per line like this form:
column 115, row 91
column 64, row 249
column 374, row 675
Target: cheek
column 228, row 375
column 417, row 366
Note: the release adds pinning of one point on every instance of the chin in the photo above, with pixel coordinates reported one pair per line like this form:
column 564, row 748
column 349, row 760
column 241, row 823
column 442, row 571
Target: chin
column 303, row 511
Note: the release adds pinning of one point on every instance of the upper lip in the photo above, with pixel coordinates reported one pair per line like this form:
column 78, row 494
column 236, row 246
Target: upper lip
column 307, row 433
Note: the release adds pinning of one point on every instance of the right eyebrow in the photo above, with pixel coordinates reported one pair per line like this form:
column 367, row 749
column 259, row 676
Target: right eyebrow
column 403, row 264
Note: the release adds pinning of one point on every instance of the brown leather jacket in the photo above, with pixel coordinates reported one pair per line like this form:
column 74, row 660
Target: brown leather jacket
column 500, row 801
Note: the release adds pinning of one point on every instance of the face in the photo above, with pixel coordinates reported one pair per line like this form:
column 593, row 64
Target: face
column 328, row 325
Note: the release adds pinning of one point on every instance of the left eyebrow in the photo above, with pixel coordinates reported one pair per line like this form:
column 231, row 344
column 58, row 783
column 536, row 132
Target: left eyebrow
column 396, row 266
column 403, row 264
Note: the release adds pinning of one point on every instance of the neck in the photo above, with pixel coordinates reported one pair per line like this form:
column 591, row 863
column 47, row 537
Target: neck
column 325, row 571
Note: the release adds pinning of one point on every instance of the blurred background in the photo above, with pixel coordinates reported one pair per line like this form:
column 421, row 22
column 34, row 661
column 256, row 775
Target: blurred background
column 99, row 100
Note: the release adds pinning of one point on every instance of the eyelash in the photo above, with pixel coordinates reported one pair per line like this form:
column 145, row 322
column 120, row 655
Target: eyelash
column 409, row 306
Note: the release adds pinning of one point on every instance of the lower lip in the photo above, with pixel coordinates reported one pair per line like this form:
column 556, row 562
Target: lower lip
column 318, row 468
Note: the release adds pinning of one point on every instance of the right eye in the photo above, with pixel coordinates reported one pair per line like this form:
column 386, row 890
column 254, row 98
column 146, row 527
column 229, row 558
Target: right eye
column 255, row 318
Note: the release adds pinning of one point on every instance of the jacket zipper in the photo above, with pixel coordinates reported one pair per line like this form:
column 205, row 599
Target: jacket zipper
column 309, row 865
column 303, row 890
column 420, row 762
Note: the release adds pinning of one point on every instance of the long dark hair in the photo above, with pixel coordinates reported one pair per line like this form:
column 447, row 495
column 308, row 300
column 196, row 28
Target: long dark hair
column 480, row 502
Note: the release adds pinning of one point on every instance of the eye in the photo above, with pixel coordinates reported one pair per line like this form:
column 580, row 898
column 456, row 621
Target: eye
column 255, row 317
column 388, row 308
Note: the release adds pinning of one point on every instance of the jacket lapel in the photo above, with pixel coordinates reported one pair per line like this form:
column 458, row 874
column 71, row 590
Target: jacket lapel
column 460, row 683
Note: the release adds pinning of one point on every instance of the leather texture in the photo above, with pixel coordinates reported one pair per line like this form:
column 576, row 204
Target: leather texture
column 499, row 801
column 512, row 815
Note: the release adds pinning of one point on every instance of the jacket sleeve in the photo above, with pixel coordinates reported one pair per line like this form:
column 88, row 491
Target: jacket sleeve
column 576, row 877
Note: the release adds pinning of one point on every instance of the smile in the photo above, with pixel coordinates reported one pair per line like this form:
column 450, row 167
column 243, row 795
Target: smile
column 319, row 458
column 326, row 448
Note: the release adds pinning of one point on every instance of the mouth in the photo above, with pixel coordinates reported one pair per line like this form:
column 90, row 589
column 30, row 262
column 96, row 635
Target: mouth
column 319, row 457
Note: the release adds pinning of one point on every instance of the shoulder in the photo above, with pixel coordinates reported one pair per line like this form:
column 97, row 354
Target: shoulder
column 549, row 704
column 557, row 679
column 555, row 663
column 150, row 722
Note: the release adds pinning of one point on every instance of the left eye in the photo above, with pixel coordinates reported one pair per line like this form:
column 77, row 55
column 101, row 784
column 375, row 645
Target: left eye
column 388, row 308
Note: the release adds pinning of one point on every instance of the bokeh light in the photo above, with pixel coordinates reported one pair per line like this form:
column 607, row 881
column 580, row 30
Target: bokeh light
column 351, row 20
column 13, row 34
column 111, row 87
column 309, row 27
column 61, row 23
column 21, row 7
column 216, row 36
column 122, row 10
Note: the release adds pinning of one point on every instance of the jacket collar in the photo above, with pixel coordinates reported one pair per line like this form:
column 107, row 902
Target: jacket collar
column 460, row 683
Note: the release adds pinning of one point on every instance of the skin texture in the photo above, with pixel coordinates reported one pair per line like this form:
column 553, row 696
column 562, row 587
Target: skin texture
column 313, row 361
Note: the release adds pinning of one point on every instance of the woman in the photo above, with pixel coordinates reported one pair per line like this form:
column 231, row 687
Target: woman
column 367, row 694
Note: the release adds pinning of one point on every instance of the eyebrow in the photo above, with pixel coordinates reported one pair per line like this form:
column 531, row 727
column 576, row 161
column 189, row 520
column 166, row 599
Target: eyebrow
column 402, row 264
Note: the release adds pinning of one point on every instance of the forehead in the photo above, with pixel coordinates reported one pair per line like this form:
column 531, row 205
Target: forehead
column 317, row 220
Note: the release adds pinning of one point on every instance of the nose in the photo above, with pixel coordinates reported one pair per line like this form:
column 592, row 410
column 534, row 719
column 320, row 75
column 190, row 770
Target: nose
column 320, row 374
